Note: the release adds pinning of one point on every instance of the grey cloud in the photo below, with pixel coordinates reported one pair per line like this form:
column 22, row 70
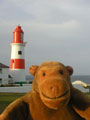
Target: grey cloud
column 54, row 30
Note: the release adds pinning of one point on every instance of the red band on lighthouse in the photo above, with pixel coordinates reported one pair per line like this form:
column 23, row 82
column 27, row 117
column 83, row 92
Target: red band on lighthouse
column 17, row 64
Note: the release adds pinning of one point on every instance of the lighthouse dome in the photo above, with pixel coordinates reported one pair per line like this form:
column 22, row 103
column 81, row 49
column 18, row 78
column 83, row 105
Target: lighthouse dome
column 18, row 35
column 18, row 29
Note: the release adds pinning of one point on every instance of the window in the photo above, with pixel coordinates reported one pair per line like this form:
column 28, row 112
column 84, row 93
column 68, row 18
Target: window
column 21, row 36
column 9, row 76
column 0, row 80
column 0, row 71
column 12, row 61
column 20, row 52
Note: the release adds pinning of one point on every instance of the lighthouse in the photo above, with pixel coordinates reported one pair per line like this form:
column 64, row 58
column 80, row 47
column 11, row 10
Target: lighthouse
column 17, row 63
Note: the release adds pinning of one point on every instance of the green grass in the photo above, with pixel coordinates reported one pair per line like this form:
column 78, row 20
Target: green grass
column 7, row 98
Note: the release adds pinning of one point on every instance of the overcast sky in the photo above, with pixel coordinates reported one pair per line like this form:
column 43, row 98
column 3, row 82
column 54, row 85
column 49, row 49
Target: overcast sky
column 56, row 30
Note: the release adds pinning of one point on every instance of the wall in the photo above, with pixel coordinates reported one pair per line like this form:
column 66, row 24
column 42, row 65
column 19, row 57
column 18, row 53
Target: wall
column 4, row 75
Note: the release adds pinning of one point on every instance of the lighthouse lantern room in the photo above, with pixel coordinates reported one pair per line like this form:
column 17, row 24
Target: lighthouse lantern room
column 17, row 63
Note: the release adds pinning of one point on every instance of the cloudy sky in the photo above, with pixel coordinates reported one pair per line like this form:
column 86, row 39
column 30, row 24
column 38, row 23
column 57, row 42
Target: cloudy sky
column 56, row 30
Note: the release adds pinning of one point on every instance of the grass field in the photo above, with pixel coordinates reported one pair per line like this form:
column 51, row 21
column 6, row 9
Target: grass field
column 7, row 98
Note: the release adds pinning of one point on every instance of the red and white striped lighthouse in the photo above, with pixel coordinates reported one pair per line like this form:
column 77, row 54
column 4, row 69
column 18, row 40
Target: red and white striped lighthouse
column 17, row 63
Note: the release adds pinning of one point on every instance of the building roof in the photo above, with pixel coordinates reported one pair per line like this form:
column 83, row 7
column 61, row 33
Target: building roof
column 3, row 66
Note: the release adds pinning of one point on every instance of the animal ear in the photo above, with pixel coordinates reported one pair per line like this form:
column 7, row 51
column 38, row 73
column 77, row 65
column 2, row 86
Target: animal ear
column 70, row 70
column 33, row 69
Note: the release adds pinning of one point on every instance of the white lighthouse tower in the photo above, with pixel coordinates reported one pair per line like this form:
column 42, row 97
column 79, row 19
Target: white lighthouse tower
column 17, row 63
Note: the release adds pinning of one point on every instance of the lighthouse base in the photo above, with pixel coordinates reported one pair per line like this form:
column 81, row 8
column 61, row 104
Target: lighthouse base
column 18, row 76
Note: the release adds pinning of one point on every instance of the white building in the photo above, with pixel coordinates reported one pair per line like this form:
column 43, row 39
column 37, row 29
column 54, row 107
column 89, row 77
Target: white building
column 4, row 74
